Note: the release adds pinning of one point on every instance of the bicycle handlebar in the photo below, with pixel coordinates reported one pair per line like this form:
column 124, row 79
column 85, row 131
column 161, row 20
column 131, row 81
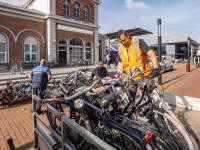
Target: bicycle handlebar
column 120, row 80
column 39, row 100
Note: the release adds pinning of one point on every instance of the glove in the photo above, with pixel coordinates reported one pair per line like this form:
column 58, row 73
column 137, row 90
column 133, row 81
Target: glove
column 155, row 73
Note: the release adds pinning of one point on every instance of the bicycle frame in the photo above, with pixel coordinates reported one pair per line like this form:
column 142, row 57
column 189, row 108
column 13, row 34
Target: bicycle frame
column 110, row 122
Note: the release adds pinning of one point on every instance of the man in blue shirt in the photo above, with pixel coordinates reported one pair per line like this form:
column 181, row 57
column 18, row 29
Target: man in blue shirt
column 99, row 71
column 40, row 77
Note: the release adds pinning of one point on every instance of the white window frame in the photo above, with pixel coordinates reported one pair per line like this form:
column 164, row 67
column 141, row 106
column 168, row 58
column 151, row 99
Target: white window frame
column 66, row 2
column 74, row 46
column 30, row 51
column 88, row 51
column 65, row 48
column 85, row 16
column 4, row 52
column 76, row 12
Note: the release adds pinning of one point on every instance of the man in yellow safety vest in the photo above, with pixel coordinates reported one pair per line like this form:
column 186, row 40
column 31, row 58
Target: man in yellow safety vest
column 133, row 52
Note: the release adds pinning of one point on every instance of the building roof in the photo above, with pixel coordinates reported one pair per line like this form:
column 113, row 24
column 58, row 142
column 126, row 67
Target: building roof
column 13, row 7
column 180, row 40
column 131, row 32
column 29, row 2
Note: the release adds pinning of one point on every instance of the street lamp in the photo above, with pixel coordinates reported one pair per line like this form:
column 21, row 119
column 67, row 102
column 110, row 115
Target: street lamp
column 159, row 50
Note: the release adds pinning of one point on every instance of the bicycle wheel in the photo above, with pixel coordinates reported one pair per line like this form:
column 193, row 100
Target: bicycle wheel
column 171, row 130
column 158, row 143
column 122, row 140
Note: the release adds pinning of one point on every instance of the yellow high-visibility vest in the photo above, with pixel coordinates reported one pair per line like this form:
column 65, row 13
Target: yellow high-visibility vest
column 133, row 57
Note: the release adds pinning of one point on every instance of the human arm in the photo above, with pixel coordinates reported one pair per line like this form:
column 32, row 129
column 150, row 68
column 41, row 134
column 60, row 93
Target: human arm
column 106, row 73
column 120, row 67
column 31, row 75
column 153, row 58
column 49, row 75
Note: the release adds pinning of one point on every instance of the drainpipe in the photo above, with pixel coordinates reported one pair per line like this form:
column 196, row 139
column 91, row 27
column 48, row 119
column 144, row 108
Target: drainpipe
column 46, row 42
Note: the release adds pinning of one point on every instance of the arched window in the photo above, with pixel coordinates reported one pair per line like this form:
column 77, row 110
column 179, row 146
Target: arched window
column 85, row 13
column 30, row 49
column 62, row 50
column 3, row 47
column 76, row 10
column 76, row 48
column 66, row 7
column 88, row 50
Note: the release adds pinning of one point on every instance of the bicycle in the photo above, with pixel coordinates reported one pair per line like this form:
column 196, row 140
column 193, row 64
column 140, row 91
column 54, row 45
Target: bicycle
column 115, row 63
column 15, row 68
column 54, row 124
column 128, row 137
column 155, row 113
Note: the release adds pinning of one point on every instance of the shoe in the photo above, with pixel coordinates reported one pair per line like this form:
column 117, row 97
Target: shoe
column 39, row 112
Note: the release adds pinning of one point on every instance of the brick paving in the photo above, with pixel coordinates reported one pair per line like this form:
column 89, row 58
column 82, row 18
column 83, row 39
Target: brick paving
column 16, row 121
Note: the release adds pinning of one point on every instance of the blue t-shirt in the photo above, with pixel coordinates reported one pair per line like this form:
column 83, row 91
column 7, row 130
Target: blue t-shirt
column 44, row 68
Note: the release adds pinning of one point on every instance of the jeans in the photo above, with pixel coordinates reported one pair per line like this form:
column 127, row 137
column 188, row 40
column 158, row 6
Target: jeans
column 108, row 64
column 40, row 92
column 133, row 86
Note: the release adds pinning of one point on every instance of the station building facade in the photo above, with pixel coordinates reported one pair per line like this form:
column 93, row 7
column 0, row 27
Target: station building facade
column 49, row 29
column 177, row 48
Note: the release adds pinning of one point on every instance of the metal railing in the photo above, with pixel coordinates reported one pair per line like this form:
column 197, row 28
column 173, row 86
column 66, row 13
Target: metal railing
column 44, row 140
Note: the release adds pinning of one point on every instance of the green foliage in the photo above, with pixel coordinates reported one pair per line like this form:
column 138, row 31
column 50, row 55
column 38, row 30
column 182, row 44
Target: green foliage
column 8, row 67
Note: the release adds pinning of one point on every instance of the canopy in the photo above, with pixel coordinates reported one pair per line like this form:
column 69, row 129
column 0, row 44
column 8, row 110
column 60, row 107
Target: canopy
column 131, row 32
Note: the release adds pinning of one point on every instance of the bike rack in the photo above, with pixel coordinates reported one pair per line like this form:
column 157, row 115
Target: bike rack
column 44, row 140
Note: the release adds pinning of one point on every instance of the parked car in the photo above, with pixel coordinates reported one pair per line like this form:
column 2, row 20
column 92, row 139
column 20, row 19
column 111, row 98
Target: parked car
column 166, row 60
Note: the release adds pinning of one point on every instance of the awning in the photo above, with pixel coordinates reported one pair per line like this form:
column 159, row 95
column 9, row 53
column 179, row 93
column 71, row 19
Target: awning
column 131, row 32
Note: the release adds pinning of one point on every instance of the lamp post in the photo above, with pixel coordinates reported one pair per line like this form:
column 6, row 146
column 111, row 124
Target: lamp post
column 159, row 50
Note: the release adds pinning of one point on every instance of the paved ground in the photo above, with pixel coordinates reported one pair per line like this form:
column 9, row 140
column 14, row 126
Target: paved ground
column 16, row 121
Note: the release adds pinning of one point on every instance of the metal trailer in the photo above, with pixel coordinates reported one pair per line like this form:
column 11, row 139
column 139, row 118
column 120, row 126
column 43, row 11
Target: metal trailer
column 45, row 141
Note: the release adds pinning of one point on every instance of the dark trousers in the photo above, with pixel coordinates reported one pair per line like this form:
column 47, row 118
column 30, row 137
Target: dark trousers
column 133, row 86
column 108, row 64
column 40, row 92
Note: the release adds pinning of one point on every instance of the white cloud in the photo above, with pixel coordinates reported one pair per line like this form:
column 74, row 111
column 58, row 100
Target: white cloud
column 139, row 5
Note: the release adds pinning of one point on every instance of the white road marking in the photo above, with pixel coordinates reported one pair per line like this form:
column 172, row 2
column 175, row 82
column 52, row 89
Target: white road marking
column 179, row 65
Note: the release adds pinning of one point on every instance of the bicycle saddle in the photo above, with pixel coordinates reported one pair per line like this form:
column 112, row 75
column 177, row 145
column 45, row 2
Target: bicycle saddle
column 106, row 99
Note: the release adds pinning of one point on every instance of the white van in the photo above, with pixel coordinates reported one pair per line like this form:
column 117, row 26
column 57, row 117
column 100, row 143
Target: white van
column 168, row 61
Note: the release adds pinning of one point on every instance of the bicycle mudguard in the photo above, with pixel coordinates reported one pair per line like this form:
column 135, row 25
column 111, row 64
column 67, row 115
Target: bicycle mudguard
column 133, row 129
column 174, row 116
column 133, row 124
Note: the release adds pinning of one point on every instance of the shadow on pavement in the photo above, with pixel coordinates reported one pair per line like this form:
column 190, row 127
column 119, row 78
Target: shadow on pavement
column 174, row 79
column 25, row 146
column 24, row 101
column 183, row 119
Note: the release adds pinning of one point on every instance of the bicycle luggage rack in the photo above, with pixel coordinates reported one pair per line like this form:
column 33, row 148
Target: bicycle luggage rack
column 132, row 124
column 45, row 141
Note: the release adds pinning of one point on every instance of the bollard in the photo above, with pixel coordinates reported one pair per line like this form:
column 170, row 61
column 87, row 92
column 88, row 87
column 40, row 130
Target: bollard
column 10, row 143
column 187, row 67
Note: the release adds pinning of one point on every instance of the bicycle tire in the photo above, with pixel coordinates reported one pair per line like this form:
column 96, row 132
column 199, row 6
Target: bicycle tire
column 177, row 136
column 158, row 143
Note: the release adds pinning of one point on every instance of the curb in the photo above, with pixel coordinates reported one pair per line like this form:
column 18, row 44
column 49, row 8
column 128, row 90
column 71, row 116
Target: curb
column 190, row 103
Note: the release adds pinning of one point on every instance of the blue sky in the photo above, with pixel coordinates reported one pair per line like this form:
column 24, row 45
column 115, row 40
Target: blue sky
column 180, row 18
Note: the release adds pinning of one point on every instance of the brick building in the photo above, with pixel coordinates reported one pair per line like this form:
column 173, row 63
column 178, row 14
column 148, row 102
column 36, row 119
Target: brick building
column 50, row 29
